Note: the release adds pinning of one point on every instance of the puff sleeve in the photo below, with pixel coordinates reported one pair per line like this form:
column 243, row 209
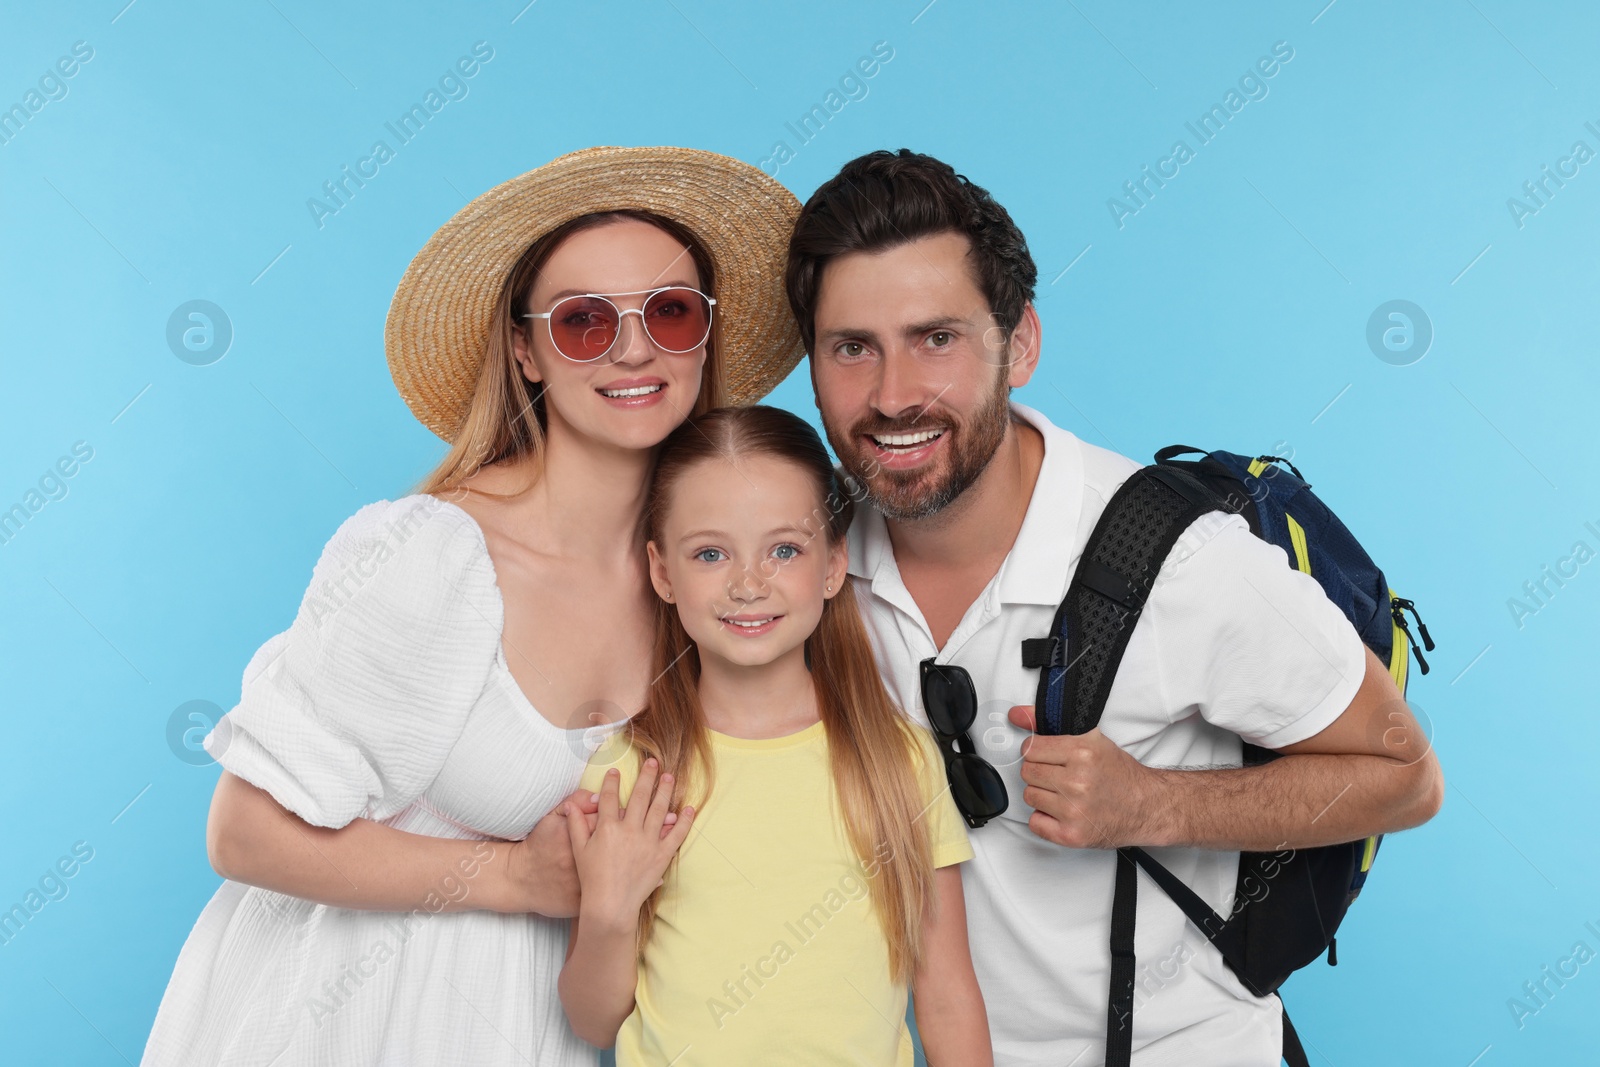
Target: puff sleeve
column 352, row 710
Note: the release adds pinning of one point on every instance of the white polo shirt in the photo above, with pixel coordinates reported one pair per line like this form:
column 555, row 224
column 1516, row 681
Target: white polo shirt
column 1233, row 642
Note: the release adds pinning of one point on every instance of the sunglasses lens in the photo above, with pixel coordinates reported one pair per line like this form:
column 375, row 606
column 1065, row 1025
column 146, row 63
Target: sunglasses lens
column 677, row 320
column 951, row 703
column 976, row 787
column 583, row 327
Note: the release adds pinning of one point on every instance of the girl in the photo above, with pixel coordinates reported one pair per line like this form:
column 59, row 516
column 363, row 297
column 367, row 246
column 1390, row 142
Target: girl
column 817, row 846
column 431, row 700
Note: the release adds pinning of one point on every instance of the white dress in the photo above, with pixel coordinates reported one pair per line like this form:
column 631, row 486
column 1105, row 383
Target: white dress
column 388, row 698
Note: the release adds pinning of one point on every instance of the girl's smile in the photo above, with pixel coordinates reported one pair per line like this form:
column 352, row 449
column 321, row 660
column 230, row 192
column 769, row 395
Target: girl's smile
column 751, row 625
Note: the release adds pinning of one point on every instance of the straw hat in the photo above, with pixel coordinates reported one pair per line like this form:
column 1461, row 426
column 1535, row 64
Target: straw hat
column 438, row 327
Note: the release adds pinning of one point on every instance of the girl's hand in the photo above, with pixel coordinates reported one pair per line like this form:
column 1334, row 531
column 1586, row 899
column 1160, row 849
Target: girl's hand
column 623, row 858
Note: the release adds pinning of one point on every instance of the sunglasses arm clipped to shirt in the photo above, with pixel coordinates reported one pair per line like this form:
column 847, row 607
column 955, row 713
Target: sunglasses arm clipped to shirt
column 951, row 703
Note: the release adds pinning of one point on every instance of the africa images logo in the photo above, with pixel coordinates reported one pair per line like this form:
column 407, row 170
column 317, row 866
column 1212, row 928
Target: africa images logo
column 451, row 86
column 1252, row 86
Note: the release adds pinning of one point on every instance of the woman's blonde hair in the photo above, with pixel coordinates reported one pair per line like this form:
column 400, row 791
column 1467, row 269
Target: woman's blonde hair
column 507, row 416
column 872, row 746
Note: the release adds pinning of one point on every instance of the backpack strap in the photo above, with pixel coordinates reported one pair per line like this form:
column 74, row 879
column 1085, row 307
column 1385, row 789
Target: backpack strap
column 1119, row 1005
column 1124, row 908
column 1142, row 521
column 1294, row 1053
column 1224, row 936
column 1113, row 579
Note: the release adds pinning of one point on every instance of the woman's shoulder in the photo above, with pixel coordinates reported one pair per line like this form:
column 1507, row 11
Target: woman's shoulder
column 417, row 550
column 419, row 526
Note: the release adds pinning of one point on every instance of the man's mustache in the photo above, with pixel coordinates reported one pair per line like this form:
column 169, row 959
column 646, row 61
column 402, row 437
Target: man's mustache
column 920, row 422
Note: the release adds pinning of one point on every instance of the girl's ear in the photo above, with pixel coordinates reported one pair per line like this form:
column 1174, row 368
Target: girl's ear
column 838, row 567
column 658, row 572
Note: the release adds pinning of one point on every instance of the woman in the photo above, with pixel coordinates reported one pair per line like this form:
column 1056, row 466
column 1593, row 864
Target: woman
column 434, row 697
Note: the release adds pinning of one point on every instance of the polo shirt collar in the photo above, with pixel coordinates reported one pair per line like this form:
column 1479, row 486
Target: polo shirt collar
column 1035, row 571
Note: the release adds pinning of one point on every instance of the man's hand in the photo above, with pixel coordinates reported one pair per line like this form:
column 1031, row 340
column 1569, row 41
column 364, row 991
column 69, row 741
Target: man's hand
column 1085, row 791
column 1371, row 771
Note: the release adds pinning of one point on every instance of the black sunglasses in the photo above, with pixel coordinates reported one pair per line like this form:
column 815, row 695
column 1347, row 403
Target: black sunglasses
column 951, row 702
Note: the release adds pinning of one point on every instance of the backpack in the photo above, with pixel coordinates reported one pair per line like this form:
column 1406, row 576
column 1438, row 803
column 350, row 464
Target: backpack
column 1288, row 904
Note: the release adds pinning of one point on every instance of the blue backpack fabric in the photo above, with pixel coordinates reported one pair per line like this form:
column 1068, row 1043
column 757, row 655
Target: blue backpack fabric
column 1288, row 904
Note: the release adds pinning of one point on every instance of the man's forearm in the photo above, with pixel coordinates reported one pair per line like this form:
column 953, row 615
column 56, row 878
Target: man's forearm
column 1370, row 771
column 1297, row 801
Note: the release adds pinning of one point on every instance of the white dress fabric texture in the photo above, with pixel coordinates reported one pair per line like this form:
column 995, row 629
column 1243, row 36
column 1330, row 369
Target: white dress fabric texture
column 388, row 698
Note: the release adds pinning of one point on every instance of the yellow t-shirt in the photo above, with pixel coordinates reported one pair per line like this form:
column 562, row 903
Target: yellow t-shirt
column 766, row 948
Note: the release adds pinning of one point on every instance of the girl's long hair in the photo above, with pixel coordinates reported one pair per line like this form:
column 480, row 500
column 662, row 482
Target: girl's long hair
column 506, row 416
column 872, row 746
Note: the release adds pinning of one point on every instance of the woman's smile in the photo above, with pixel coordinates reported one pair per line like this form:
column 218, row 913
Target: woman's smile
column 629, row 393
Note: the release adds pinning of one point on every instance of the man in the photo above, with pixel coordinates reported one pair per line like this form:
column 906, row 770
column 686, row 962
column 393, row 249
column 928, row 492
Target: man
column 913, row 290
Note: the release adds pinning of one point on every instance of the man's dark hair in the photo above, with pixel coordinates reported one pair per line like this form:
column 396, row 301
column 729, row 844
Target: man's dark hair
column 884, row 199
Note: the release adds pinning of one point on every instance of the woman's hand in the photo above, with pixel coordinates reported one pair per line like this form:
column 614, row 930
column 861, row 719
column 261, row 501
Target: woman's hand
column 539, row 874
column 622, row 858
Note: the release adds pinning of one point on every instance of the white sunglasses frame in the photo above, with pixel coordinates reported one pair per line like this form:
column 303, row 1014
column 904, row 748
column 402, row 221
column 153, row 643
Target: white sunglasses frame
column 622, row 313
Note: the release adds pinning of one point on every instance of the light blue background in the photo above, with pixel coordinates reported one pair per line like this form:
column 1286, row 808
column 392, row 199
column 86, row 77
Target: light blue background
column 1230, row 312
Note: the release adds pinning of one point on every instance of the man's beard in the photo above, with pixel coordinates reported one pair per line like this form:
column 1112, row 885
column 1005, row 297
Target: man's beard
column 906, row 496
